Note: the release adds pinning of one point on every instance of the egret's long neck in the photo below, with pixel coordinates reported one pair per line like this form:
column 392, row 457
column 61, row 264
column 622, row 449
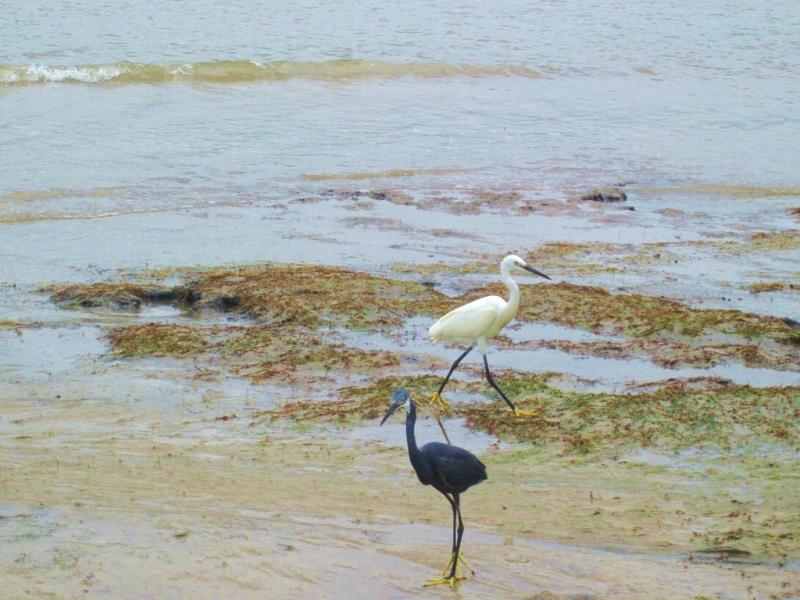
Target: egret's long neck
column 513, row 299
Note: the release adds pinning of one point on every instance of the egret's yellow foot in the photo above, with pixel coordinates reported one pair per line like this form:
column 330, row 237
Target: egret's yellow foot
column 524, row 413
column 437, row 398
column 458, row 571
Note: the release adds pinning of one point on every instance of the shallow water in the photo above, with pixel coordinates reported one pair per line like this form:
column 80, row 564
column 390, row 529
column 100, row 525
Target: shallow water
column 49, row 351
column 657, row 93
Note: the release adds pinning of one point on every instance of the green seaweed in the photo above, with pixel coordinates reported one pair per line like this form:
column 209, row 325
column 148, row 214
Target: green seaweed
column 157, row 339
column 672, row 415
column 258, row 352
column 638, row 315
column 293, row 296
column 774, row 286
column 311, row 296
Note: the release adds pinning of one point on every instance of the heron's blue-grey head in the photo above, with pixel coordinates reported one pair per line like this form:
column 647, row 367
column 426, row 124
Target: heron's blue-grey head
column 515, row 263
column 400, row 398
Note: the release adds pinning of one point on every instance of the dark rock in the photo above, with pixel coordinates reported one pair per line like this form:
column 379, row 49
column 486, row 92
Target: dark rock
column 791, row 323
column 612, row 194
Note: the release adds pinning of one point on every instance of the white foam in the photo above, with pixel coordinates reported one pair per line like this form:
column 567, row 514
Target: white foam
column 36, row 72
column 184, row 69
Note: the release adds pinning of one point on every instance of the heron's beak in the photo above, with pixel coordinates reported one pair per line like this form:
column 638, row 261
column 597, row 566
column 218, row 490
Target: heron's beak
column 392, row 408
column 535, row 271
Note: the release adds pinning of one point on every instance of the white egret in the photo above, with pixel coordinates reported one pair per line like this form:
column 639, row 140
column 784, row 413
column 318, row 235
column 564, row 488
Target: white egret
column 478, row 321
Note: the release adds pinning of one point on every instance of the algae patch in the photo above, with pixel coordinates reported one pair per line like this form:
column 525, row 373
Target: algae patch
column 774, row 286
column 638, row 315
column 669, row 332
column 297, row 295
column 310, row 296
column 677, row 355
column 354, row 403
column 257, row 352
column 118, row 296
column 672, row 414
column 157, row 339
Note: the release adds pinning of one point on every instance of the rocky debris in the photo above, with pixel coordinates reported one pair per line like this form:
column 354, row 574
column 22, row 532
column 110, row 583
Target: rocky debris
column 119, row 297
column 609, row 194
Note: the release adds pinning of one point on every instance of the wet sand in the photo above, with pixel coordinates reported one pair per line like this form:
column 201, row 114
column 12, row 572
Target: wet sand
column 160, row 477
column 102, row 498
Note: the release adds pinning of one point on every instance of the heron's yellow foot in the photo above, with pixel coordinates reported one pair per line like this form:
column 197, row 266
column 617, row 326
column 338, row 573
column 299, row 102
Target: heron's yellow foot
column 524, row 413
column 458, row 571
column 451, row 581
column 437, row 398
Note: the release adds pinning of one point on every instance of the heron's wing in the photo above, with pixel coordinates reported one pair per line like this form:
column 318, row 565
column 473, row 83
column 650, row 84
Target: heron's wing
column 468, row 321
column 458, row 468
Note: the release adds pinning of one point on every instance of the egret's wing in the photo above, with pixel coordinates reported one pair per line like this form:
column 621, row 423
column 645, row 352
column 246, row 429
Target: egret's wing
column 466, row 322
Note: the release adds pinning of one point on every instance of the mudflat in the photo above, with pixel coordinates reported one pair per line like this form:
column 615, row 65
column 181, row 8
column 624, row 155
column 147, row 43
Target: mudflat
column 213, row 431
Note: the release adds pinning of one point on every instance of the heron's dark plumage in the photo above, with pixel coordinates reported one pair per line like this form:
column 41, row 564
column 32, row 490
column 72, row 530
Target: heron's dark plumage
column 454, row 469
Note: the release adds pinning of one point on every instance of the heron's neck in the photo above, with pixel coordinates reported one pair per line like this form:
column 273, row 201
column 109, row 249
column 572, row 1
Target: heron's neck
column 413, row 451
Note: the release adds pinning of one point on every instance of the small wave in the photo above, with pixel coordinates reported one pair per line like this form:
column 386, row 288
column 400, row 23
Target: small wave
column 392, row 173
column 732, row 191
column 57, row 194
column 243, row 71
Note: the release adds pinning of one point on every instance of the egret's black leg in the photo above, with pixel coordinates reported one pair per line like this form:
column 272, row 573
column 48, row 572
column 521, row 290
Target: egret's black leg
column 437, row 397
column 490, row 379
column 453, row 368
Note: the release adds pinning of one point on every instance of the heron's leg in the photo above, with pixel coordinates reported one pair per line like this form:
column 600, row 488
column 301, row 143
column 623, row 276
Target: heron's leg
column 453, row 549
column 456, row 512
column 452, row 552
column 437, row 397
column 455, row 569
column 515, row 410
column 458, row 542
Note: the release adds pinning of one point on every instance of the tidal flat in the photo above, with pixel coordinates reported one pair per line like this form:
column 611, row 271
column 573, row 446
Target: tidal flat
column 216, row 425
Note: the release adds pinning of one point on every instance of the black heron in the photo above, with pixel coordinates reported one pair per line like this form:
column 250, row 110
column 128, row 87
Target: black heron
column 480, row 320
column 449, row 469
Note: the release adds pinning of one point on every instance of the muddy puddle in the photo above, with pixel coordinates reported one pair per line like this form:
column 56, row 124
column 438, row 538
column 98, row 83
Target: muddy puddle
column 197, row 414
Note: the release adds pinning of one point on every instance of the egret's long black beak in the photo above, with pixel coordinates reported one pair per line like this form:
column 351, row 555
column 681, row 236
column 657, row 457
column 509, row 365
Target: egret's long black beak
column 392, row 408
column 535, row 271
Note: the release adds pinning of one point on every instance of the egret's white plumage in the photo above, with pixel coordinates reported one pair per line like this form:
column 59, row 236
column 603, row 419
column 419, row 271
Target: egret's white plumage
column 475, row 323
